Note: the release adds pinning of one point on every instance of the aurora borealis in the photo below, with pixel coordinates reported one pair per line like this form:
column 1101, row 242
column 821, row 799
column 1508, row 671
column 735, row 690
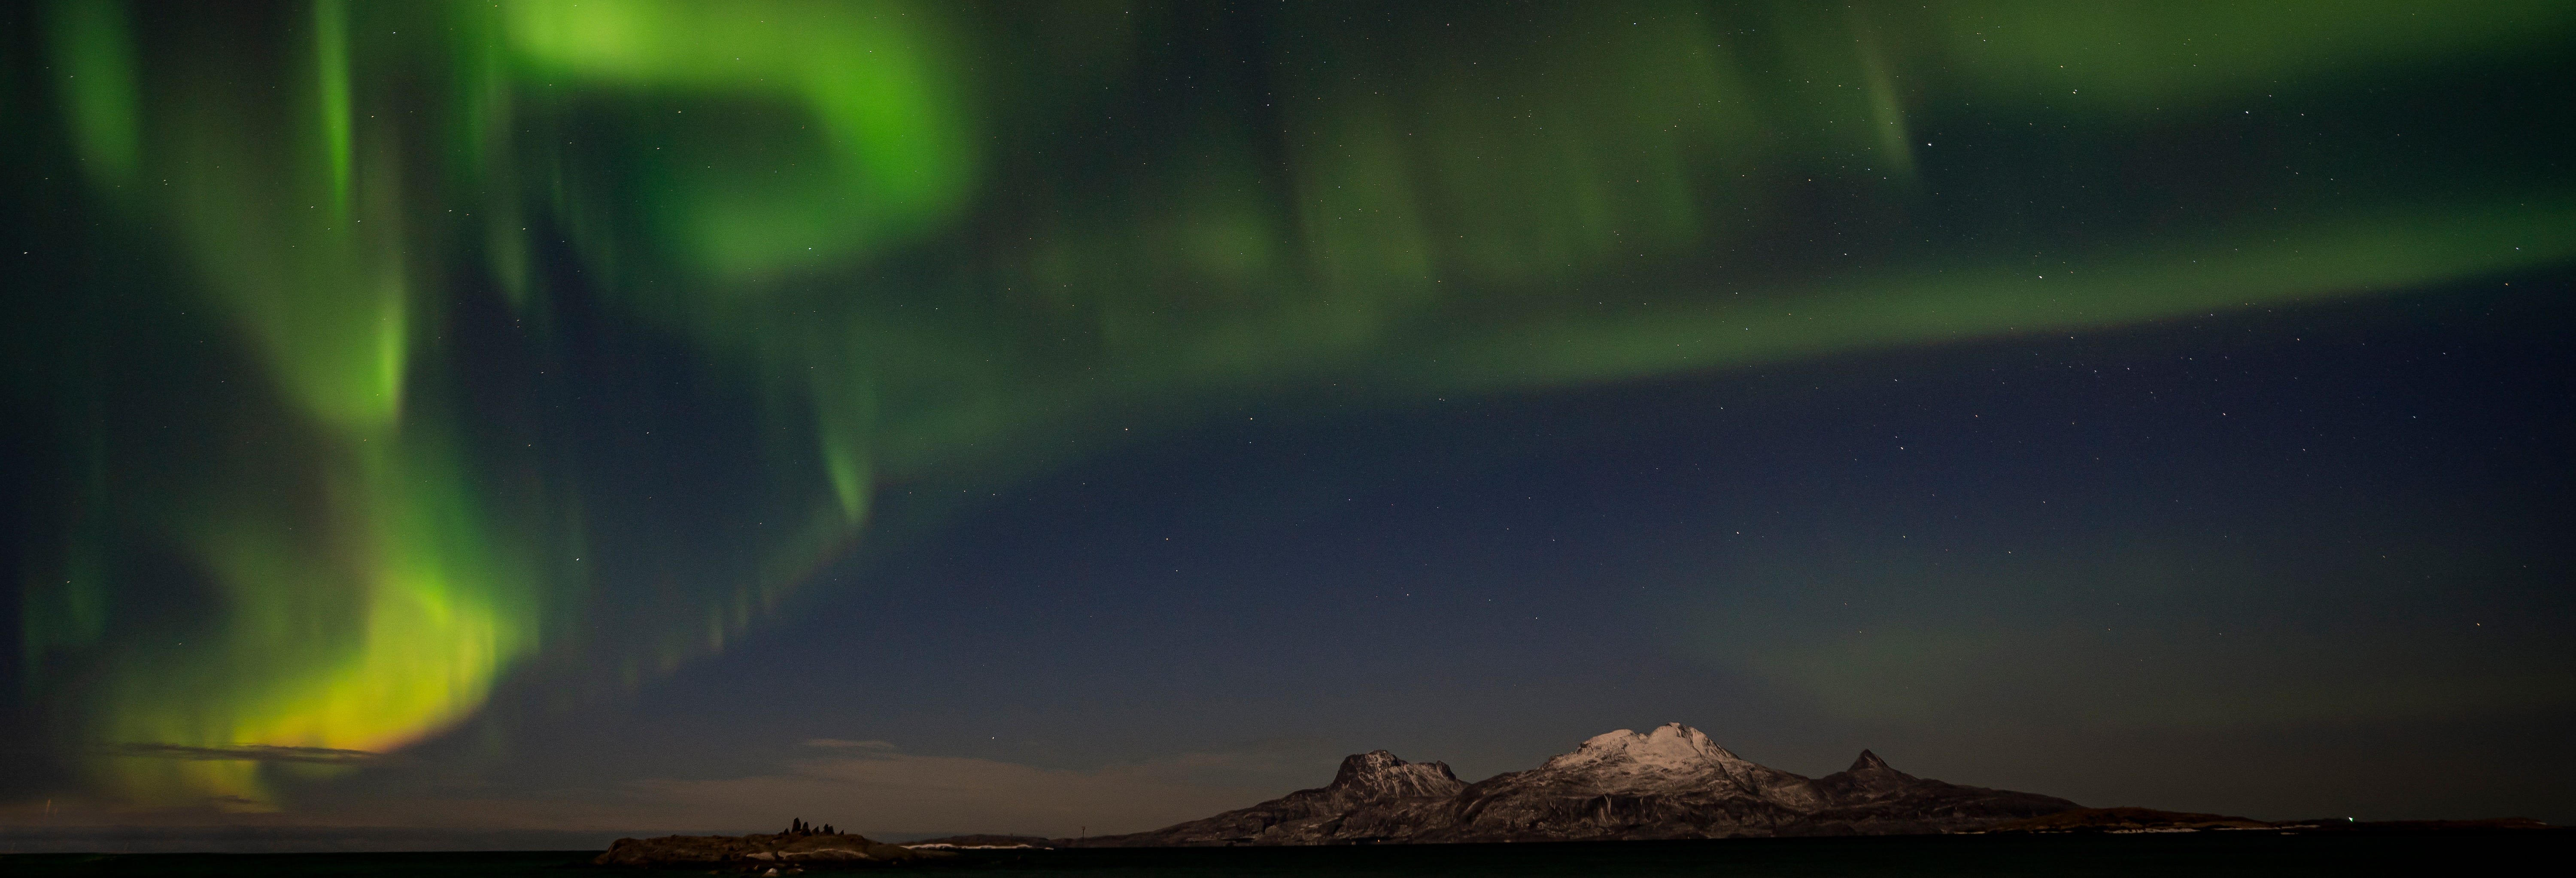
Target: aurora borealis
column 413, row 384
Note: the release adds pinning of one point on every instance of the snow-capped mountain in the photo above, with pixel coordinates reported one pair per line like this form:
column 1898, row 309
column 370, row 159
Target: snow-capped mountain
column 1671, row 782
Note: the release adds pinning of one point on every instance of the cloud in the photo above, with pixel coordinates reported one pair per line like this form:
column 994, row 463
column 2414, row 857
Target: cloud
column 838, row 743
column 245, row 753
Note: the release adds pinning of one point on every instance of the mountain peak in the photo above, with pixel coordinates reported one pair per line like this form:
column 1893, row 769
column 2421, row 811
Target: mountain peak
column 1669, row 781
column 1671, row 746
column 1371, row 762
column 1380, row 773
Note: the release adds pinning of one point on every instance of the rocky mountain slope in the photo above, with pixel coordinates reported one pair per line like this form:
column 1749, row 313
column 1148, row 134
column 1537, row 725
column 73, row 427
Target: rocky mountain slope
column 1374, row 796
column 1672, row 782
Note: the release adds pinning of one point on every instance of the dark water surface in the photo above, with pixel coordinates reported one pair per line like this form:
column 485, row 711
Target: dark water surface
column 2198, row 854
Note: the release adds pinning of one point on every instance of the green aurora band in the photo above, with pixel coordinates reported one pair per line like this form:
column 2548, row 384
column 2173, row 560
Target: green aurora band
column 951, row 244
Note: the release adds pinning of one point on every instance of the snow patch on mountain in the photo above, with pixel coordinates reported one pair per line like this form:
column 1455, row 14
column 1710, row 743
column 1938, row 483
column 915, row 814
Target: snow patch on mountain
column 1668, row 782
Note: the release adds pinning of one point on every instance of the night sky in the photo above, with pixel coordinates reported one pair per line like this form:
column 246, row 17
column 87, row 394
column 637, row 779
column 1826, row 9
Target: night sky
column 939, row 417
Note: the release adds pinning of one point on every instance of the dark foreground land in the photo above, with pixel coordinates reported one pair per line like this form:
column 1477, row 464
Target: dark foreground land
column 2198, row 854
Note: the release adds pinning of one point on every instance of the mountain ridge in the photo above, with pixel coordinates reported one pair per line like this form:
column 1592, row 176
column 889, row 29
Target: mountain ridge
column 1670, row 782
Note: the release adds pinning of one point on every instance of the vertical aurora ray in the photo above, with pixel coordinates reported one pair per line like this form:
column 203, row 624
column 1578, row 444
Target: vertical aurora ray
column 331, row 63
column 937, row 242
column 1886, row 101
column 360, row 598
column 98, row 90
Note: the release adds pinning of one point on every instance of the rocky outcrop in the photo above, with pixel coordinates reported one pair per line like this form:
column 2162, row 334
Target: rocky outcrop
column 1374, row 797
column 784, row 850
column 1671, row 782
column 1871, row 798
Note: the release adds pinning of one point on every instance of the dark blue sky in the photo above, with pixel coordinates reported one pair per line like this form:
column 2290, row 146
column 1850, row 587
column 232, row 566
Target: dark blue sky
column 943, row 417
column 2281, row 563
